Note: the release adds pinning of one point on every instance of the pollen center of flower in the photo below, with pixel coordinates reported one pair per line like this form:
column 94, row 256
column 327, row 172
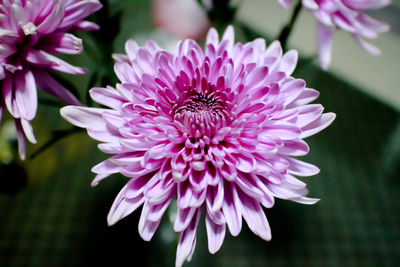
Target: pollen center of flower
column 202, row 114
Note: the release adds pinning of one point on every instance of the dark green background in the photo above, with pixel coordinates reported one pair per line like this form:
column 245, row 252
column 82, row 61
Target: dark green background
column 57, row 219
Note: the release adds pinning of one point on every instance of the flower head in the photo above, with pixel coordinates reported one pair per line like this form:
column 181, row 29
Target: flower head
column 346, row 15
column 30, row 31
column 215, row 130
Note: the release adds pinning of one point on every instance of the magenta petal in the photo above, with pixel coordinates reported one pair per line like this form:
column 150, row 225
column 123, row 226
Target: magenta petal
column 215, row 234
column 62, row 43
column 85, row 26
column 51, row 86
column 52, row 20
column 148, row 227
column 246, row 163
column 77, row 11
column 26, row 94
column 232, row 209
column 183, row 218
column 9, row 99
column 122, row 207
column 255, row 217
column 187, row 241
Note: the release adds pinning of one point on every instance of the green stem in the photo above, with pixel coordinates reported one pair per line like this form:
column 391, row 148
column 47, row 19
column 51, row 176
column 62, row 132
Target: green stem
column 285, row 33
column 57, row 136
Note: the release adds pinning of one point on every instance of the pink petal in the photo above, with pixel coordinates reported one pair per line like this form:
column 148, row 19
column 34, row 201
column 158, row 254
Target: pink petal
column 26, row 94
column 318, row 125
column 187, row 241
column 8, row 94
column 288, row 62
column 255, row 217
column 52, row 21
column 51, row 86
column 28, row 130
column 122, row 207
column 232, row 209
column 77, row 11
column 301, row 168
column 85, row 26
column 215, row 234
column 183, row 218
column 324, row 45
column 295, row 147
column 21, row 140
column 61, row 43
column 84, row 117
column 147, row 227
column 108, row 97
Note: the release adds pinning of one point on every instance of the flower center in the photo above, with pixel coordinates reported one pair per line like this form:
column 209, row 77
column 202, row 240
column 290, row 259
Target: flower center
column 202, row 114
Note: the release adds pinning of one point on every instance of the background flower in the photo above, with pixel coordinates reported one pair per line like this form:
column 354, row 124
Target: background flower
column 30, row 31
column 347, row 15
column 182, row 18
column 215, row 130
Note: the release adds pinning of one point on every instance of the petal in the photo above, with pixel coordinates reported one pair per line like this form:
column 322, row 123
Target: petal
column 212, row 38
column 28, row 130
column 51, row 86
column 215, row 234
column 108, row 97
column 255, row 217
column 324, row 45
column 26, row 94
column 61, row 43
column 232, row 209
column 21, row 139
column 318, row 125
column 187, row 241
column 84, row 117
column 147, row 227
column 183, row 218
column 301, row 168
column 77, row 11
column 288, row 62
column 8, row 94
column 122, row 207
column 52, row 21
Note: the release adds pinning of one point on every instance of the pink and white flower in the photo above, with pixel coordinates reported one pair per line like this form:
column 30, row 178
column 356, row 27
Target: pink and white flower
column 216, row 130
column 346, row 15
column 30, row 32
column 181, row 18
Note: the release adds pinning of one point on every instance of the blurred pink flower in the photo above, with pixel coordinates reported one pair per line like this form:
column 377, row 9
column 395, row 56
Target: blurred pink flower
column 181, row 18
column 346, row 15
column 215, row 130
column 30, row 31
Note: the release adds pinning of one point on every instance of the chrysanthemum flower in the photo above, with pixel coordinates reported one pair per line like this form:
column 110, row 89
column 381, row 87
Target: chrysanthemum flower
column 215, row 130
column 30, row 31
column 346, row 15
